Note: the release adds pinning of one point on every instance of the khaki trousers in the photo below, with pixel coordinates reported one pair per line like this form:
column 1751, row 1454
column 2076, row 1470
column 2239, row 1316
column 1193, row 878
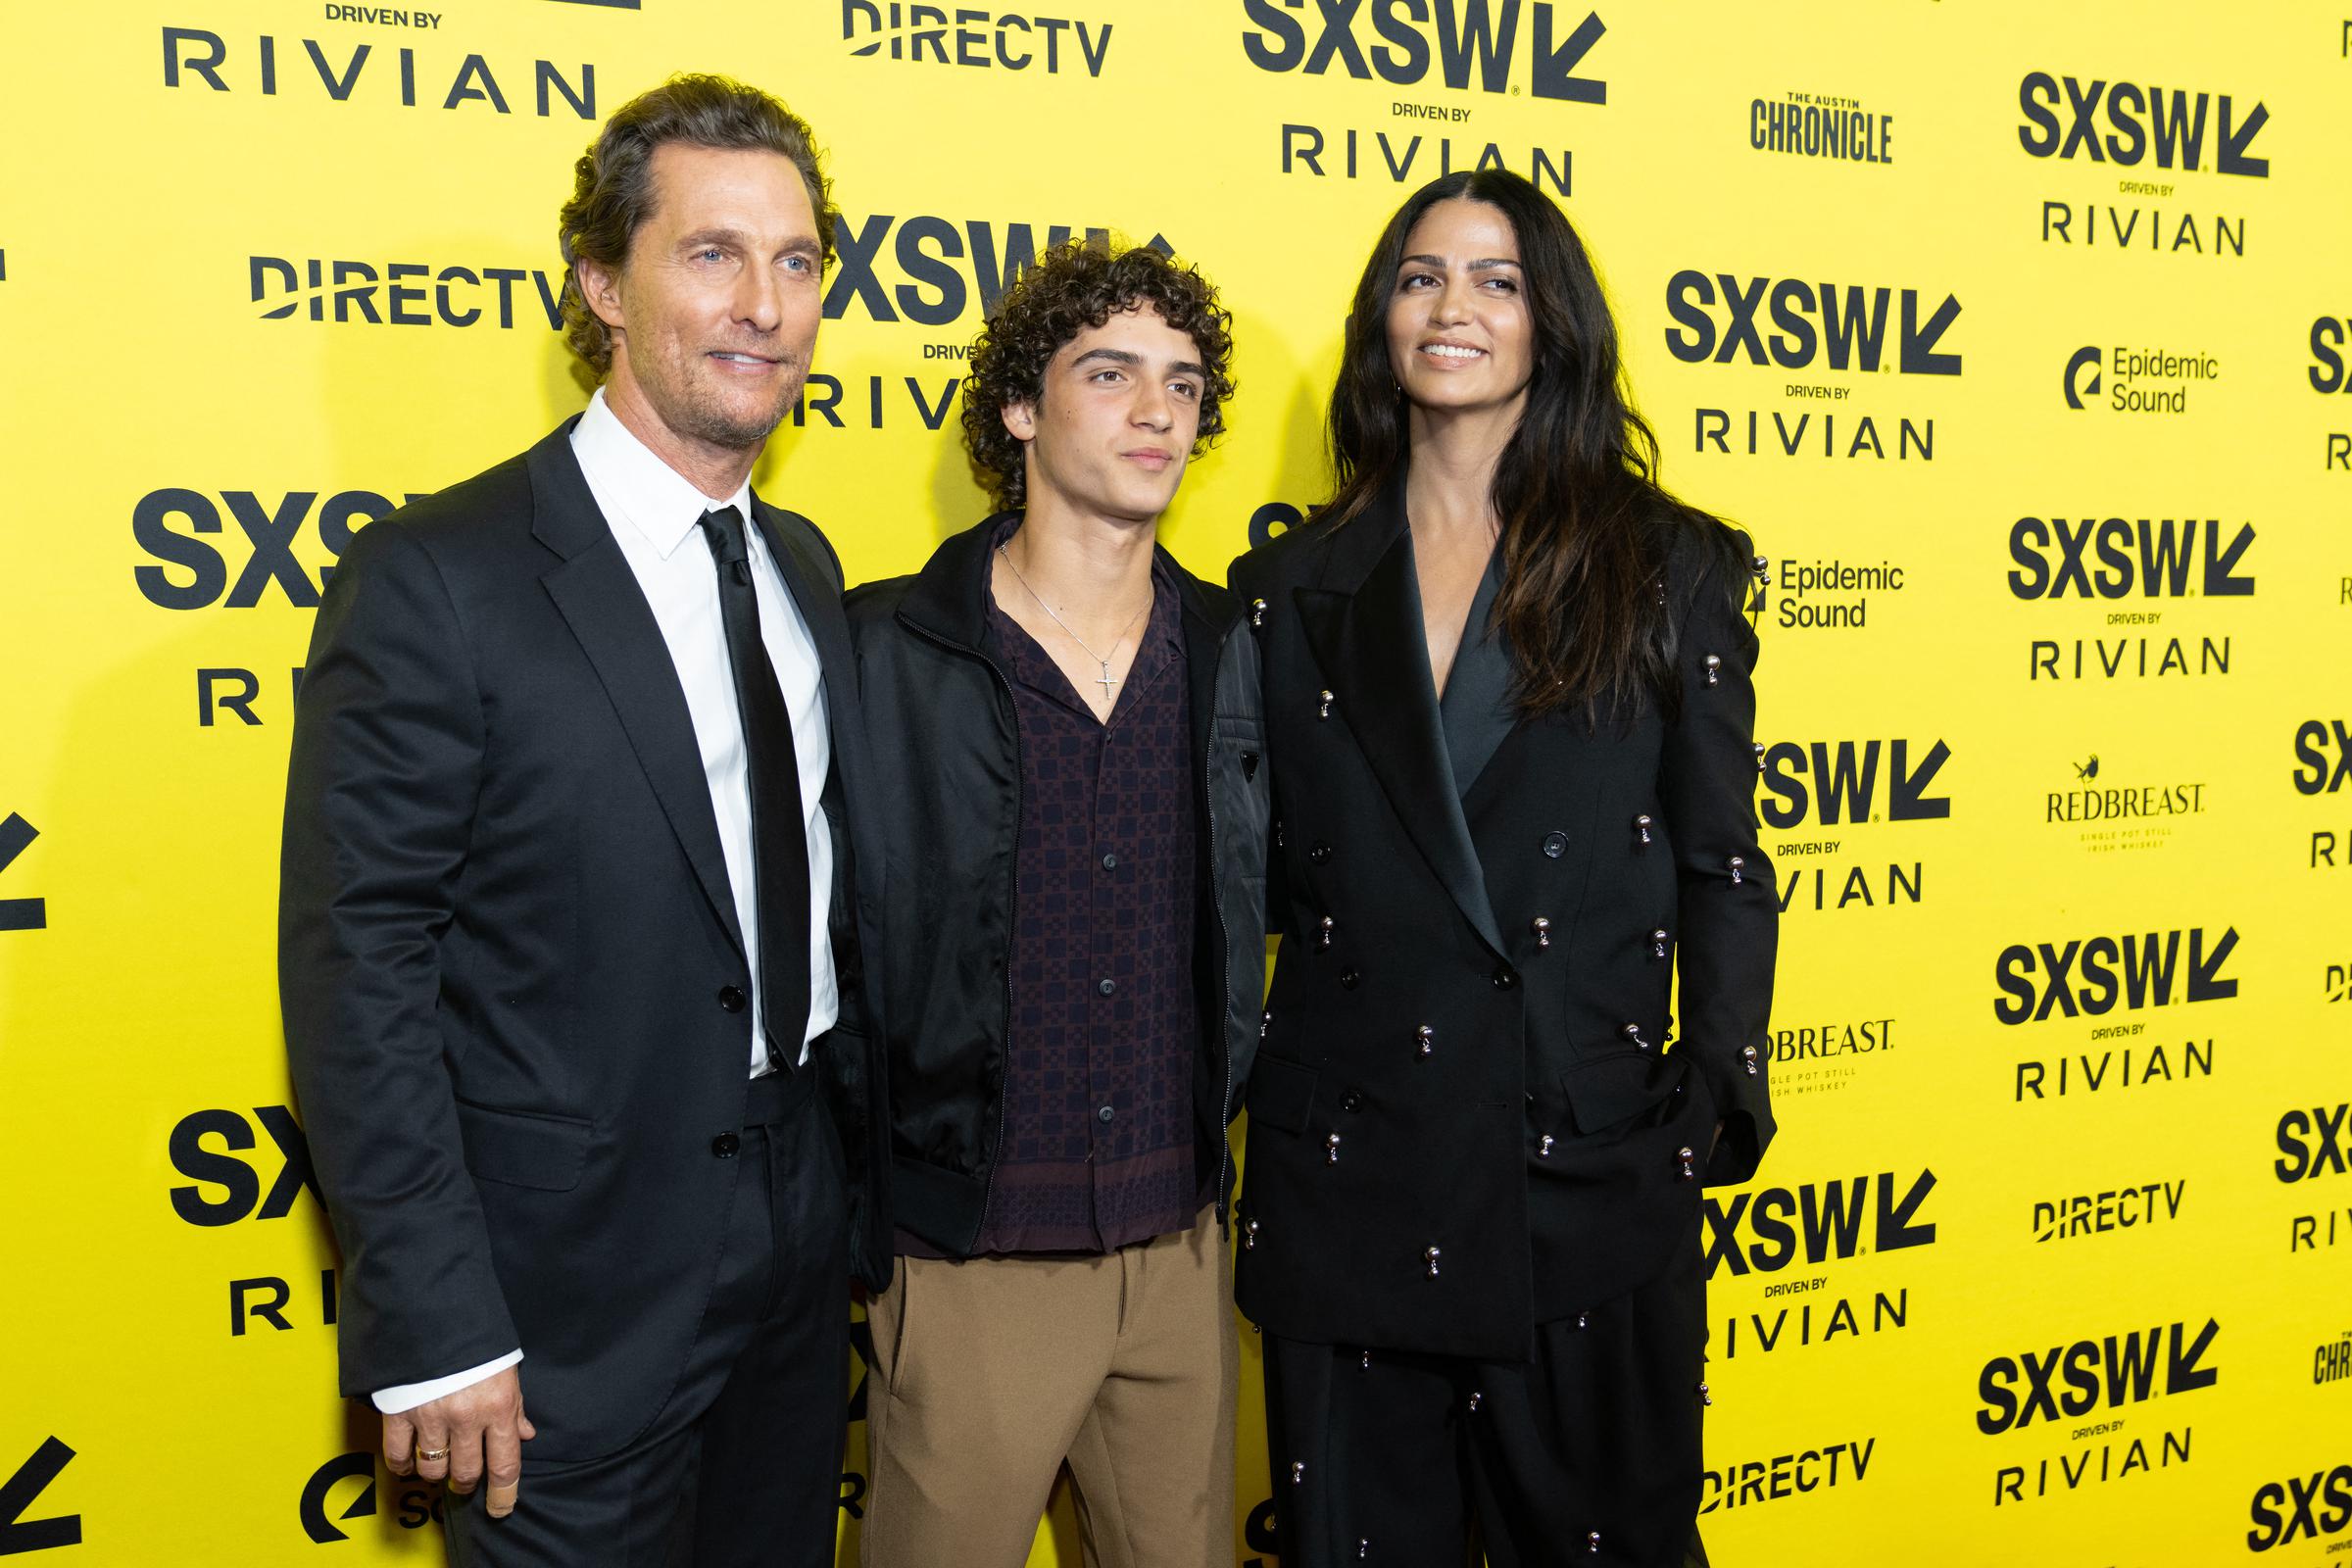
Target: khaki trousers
column 990, row 1375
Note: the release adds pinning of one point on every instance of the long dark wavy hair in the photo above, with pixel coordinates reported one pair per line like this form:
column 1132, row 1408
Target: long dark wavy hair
column 1586, row 527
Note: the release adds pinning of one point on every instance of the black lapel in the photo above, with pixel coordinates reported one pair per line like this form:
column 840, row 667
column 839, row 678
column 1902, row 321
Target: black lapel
column 1477, row 709
column 599, row 600
column 810, row 581
column 1365, row 629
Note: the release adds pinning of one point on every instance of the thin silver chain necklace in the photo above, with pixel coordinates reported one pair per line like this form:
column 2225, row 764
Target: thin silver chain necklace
column 1105, row 679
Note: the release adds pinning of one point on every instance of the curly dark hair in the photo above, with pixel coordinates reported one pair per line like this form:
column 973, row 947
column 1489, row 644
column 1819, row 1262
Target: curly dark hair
column 1069, row 290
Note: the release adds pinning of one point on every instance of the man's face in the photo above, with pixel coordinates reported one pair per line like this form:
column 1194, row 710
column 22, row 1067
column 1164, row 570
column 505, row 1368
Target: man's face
column 714, row 316
column 1115, row 419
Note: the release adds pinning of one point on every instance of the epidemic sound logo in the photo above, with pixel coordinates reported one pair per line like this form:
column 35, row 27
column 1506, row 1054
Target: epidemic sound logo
column 2036, row 979
column 403, row 293
column 240, row 1183
column 1840, row 327
column 2071, row 1381
column 920, row 32
column 2315, row 773
column 1461, row 38
column 1837, row 129
column 945, row 268
column 342, row 1468
column 367, row 75
column 1827, row 595
column 2314, row 1505
column 2125, row 125
column 2129, row 390
column 2117, row 1208
column 1817, row 1220
column 270, row 531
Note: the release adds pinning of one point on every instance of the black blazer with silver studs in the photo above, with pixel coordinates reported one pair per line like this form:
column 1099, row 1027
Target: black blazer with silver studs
column 1471, row 1111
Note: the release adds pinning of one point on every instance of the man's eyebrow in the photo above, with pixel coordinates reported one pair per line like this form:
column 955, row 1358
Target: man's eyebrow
column 1116, row 356
column 1188, row 368
column 805, row 244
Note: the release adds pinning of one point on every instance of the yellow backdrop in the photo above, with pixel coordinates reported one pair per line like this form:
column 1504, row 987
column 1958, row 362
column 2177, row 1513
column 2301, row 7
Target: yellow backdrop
column 2017, row 334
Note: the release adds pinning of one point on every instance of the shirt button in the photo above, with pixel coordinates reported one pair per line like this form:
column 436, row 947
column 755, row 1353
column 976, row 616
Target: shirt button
column 1556, row 843
column 1351, row 1100
column 731, row 997
column 1505, row 978
column 1319, row 853
column 1105, row 1114
column 725, row 1144
column 1106, row 987
column 1110, row 862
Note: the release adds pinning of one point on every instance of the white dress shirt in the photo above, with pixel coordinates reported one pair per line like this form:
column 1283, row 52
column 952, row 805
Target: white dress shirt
column 656, row 514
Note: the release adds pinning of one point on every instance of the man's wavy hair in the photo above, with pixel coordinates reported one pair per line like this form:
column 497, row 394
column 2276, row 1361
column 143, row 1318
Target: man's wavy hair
column 612, row 190
column 1071, row 289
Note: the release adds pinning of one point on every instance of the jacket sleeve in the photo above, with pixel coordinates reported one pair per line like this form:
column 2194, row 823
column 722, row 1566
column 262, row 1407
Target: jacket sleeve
column 387, row 761
column 1730, row 921
column 1243, row 580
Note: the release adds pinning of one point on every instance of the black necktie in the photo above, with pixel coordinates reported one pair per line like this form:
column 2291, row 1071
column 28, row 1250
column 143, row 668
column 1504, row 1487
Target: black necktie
column 779, row 837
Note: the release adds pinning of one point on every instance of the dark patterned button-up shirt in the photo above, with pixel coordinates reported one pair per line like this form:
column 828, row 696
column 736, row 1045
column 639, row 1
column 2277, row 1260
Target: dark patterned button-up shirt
column 1098, row 1141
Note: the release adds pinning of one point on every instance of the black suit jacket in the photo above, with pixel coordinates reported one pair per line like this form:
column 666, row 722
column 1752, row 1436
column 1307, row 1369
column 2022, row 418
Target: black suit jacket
column 505, row 932
column 1536, row 1144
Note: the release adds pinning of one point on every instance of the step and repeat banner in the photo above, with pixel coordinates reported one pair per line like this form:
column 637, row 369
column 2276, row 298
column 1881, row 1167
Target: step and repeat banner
column 2020, row 336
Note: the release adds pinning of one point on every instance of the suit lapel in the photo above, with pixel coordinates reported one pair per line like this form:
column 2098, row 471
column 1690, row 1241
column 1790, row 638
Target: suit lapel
column 1365, row 629
column 598, row 596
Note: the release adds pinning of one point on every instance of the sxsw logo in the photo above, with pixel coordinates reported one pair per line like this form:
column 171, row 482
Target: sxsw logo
column 2034, row 980
column 2115, row 557
column 270, row 531
column 403, row 293
column 2073, row 1380
column 2316, row 773
column 945, row 268
column 2301, row 1508
column 2311, row 1143
column 240, row 1183
column 968, row 37
column 1837, row 328
column 1820, row 1220
column 2125, row 124
column 1462, row 38
column 1819, row 784
column 2326, row 371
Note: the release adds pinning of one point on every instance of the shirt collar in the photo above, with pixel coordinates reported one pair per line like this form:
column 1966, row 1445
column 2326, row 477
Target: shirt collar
column 651, row 496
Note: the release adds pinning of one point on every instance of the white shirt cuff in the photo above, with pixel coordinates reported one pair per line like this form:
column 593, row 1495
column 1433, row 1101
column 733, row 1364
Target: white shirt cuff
column 409, row 1395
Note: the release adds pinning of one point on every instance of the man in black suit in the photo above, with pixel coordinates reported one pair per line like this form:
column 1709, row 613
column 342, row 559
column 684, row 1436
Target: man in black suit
column 568, row 946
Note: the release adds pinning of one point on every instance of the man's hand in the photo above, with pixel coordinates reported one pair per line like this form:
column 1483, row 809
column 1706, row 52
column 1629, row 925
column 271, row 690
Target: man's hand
column 479, row 1430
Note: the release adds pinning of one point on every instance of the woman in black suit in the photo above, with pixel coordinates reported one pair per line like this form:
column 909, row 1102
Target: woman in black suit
column 1511, row 728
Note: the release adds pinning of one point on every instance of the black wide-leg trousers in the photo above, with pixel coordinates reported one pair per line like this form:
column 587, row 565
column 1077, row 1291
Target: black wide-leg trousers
column 742, row 1465
column 1585, row 1456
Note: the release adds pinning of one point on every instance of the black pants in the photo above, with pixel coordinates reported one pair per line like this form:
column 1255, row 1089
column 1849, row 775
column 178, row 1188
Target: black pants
column 1585, row 1456
column 742, row 1465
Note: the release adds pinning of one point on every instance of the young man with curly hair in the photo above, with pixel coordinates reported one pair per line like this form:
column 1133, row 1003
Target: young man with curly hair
column 1072, row 915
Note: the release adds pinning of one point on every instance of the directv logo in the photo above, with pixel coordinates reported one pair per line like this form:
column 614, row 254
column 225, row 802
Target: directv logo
column 403, row 293
column 968, row 37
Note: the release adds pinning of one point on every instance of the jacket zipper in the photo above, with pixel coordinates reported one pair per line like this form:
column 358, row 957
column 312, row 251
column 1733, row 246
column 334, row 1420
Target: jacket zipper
column 1012, row 894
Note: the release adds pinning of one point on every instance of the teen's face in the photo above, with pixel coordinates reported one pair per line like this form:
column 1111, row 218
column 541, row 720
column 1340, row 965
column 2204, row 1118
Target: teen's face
column 1115, row 419
column 1460, row 337
column 716, row 312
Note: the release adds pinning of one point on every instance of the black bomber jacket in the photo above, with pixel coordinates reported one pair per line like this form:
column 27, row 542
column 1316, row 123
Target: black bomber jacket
column 946, row 807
